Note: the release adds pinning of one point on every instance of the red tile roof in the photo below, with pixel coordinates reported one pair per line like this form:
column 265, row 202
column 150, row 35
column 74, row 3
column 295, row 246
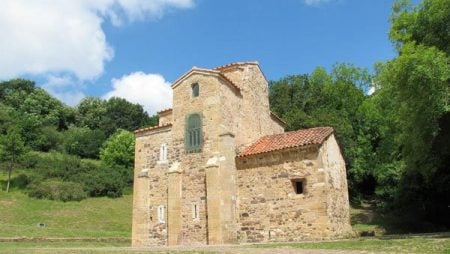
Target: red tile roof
column 153, row 128
column 312, row 136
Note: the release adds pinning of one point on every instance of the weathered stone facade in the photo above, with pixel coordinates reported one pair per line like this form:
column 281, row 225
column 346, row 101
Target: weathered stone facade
column 218, row 194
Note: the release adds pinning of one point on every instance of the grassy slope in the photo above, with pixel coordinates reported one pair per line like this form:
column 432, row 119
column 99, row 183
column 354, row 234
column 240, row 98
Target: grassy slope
column 105, row 217
column 407, row 245
column 93, row 217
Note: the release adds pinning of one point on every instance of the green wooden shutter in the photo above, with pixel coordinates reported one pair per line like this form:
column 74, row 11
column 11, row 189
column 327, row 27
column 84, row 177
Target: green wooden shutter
column 193, row 136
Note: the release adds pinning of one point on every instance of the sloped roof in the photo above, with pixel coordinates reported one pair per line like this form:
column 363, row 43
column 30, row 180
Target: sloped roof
column 232, row 65
column 152, row 128
column 167, row 110
column 206, row 71
column 312, row 136
column 277, row 118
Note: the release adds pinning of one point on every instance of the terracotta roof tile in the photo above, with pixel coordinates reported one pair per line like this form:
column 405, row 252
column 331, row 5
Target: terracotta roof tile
column 312, row 136
column 153, row 128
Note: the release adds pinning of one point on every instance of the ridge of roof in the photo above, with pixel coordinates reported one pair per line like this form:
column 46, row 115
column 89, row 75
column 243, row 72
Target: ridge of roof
column 291, row 139
column 152, row 128
column 234, row 64
column 278, row 118
column 164, row 111
column 211, row 71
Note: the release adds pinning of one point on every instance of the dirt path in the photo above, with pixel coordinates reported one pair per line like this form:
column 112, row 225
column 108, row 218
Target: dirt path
column 191, row 250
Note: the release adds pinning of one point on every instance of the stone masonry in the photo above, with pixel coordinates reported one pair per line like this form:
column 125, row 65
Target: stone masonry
column 246, row 180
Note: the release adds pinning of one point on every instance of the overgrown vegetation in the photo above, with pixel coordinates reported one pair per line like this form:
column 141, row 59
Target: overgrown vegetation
column 396, row 140
column 51, row 143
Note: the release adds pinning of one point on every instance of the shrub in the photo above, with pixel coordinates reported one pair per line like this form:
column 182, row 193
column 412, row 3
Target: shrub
column 105, row 181
column 56, row 189
column 84, row 142
column 30, row 160
column 95, row 178
column 48, row 138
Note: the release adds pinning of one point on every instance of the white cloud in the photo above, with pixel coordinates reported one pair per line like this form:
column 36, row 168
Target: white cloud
column 65, row 36
column 150, row 90
column 316, row 2
column 64, row 88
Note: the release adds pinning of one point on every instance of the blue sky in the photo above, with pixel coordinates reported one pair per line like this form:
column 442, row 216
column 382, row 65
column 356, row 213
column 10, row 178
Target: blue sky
column 135, row 49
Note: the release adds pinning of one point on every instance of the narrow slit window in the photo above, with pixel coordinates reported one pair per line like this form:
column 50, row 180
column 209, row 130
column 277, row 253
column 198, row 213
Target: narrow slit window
column 299, row 186
column 163, row 152
column 195, row 90
column 161, row 214
column 195, row 212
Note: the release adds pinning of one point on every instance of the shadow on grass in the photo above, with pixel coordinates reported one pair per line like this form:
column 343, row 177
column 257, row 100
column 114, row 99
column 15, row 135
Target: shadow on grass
column 17, row 182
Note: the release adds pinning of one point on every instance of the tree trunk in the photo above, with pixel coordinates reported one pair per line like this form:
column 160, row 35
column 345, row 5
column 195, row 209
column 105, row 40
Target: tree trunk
column 9, row 176
column 11, row 166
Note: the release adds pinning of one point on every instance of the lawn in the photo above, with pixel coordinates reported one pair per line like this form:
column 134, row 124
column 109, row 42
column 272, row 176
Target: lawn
column 93, row 217
column 103, row 225
column 416, row 244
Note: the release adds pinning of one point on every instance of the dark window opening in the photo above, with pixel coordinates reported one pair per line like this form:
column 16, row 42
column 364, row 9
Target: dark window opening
column 195, row 90
column 298, row 185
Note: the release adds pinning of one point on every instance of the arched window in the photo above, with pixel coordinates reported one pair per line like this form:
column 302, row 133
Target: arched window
column 163, row 153
column 195, row 90
column 193, row 139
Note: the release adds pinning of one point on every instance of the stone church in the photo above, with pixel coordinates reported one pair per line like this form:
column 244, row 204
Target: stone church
column 220, row 169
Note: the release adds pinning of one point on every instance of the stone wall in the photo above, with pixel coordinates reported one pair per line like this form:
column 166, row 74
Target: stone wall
column 250, row 111
column 205, row 198
column 196, row 167
column 271, row 210
column 150, row 187
column 337, row 202
column 165, row 117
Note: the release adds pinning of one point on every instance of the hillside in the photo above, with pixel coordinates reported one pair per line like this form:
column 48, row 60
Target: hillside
column 92, row 217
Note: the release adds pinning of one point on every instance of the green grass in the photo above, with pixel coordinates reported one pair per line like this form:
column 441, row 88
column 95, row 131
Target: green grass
column 93, row 217
column 98, row 218
column 408, row 245
column 24, row 246
column 82, row 247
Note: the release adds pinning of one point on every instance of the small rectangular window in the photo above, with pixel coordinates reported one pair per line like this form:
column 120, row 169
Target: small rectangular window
column 163, row 153
column 195, row 90
column 299, row 185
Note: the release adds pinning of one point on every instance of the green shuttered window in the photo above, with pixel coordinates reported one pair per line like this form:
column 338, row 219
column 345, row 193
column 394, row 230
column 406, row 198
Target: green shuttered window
column 193, row 139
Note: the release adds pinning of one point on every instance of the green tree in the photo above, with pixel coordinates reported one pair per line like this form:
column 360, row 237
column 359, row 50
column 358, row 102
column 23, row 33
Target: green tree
column 119, row 149
column 83, row 142
column 122, row 114
column 426, row 24
column 92, row 113
column 327, row 99
column 111, row 115
column 413, row 97
column 12, row 148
